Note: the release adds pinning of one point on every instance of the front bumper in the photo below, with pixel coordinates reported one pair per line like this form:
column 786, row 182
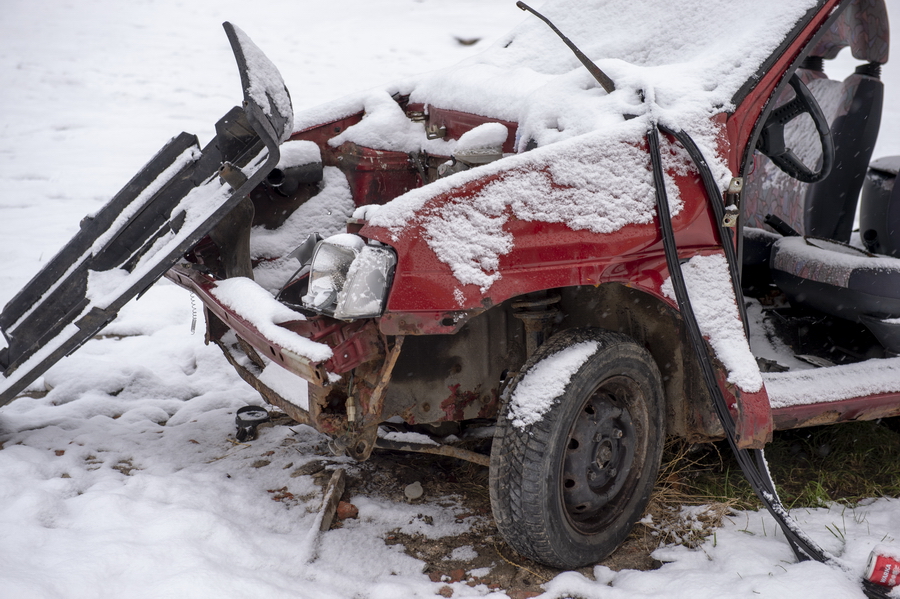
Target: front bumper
column 350, row 344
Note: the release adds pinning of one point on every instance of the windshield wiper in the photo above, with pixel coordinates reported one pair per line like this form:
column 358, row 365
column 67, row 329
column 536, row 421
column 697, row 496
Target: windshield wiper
column 601, row 77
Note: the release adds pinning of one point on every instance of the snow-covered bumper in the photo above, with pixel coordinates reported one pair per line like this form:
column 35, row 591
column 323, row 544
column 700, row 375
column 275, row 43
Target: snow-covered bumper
column 262, row 338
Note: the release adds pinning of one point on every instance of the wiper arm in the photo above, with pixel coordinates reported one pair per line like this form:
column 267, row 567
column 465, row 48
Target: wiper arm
column 593, row 69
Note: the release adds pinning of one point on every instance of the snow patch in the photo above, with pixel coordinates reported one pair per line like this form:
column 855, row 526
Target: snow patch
column 385, row 126
column 483, row 139
column 464, row 553
column 406, row 437
column 285, row 383
column 325, row 213
column 298, row 152
column 546, row 381
column 261, row 310
column 103, row 284
column 834, row 383
column 712, row 297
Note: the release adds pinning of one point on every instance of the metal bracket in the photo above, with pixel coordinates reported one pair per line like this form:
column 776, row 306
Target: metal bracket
column 435, row 132
column 731, row 216
column 733, row 201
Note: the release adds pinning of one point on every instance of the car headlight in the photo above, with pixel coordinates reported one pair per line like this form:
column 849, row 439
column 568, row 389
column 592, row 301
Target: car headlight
column 349, row 279
column 366, row 285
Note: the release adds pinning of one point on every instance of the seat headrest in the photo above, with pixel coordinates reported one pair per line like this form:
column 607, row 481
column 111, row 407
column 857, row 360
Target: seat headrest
column 863, row 26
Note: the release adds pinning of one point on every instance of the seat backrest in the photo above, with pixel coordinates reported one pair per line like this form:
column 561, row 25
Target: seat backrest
column 853, row 109
column 824, row 209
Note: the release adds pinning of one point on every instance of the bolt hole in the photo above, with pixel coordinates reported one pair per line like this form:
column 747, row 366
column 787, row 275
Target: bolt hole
column 573, row 444
column 569, row 483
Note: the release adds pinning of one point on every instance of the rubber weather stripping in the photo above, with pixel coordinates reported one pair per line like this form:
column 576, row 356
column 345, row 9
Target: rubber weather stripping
column 752, row 461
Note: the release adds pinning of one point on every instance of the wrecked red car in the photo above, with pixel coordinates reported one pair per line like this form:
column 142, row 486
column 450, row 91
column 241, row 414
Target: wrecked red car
column 647, row 233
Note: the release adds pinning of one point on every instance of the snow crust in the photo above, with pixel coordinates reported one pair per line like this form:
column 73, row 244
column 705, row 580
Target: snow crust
column 546, row 381
column 599, row 182
column 845, row 381
column 712, row 298
column 259, row 308
column 266, row 85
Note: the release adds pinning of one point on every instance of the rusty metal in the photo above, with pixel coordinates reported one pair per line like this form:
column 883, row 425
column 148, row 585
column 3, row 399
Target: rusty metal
column 295, row 412
column 251, row 353
column 444, row 450
column 376, row 400
column 872, row 407
column 314, row 372
column 232, row 175
column 537, row 314
column 359, row 440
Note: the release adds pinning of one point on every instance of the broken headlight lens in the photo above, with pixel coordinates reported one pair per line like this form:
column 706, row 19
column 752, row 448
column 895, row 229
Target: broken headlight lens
column 349, row 279
column 366, row 284
column 328, row 271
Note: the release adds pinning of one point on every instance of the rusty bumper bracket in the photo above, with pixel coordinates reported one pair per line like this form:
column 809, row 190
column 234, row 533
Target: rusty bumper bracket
column 444, row 450
column 295, row 412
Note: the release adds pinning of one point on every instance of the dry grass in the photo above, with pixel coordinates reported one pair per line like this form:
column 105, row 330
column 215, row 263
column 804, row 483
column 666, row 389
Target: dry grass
column 680, row 511
column 811, row 468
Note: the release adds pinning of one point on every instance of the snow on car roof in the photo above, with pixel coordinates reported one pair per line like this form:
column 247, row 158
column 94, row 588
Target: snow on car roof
column 690, row 57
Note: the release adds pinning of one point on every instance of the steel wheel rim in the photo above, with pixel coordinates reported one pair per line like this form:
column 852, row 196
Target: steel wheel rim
column 602, row 455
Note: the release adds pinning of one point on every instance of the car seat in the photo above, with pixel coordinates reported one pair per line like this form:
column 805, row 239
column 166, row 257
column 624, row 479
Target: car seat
column 817, row 268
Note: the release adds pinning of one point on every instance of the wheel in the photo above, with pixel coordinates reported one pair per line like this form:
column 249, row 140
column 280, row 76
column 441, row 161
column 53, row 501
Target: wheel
column 772, row 144
column 572, row 467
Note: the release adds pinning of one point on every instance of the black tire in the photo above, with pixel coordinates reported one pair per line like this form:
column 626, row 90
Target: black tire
column 567, row 489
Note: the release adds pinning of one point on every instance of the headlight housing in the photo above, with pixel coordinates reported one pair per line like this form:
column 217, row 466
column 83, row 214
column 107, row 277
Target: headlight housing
column 349, row 279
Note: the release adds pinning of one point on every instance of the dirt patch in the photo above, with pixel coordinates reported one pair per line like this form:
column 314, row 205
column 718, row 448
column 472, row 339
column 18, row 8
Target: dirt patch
column 480, row 555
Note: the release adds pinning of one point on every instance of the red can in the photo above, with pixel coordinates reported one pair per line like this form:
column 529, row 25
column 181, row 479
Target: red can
column 884, row 566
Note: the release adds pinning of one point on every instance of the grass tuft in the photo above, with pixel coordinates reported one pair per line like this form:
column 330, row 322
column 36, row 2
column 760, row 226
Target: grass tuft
column 811, row 467
column 699, row 485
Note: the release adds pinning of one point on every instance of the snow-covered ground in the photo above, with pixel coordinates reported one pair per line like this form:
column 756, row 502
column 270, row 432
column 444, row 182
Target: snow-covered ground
column 121, row 481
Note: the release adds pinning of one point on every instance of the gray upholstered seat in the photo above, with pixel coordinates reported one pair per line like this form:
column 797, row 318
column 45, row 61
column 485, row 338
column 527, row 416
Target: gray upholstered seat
column 842, row 281
column 821, row 271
